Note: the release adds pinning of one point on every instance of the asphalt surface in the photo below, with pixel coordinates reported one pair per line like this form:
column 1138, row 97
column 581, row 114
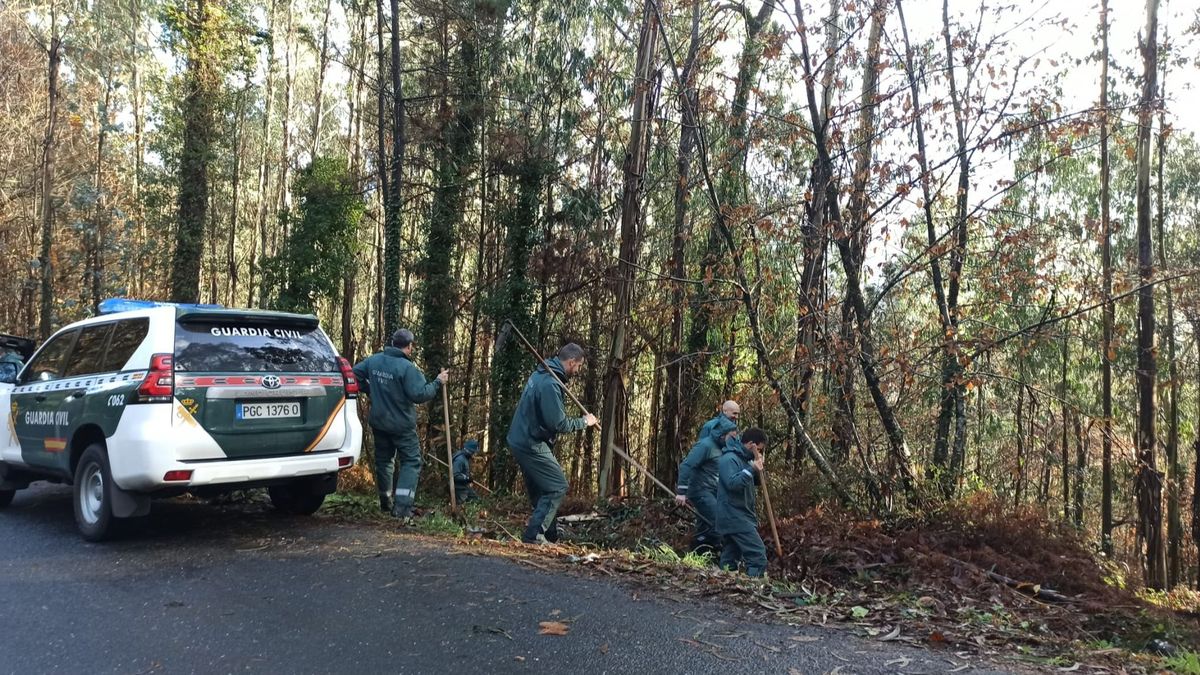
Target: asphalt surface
column 206, row 589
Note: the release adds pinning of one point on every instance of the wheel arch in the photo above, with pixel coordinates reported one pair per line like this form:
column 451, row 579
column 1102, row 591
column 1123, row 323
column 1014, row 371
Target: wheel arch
column 83, row 437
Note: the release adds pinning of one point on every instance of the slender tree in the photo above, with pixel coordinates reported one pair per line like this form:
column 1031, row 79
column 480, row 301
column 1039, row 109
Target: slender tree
column 634, row 170
column 197, row 27
column 1148, row 477
column 1107, row 348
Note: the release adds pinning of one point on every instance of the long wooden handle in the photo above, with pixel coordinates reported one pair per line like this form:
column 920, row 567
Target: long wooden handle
column 771, row 514
column 530, row 348
column 449, row 448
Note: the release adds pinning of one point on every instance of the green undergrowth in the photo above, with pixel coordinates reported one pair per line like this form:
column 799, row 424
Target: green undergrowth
column 665, row 555
column 1185, row 663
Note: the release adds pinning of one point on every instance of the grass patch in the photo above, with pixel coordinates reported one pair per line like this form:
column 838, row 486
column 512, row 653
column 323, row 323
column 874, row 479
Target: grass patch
column 665, row 555
column 1185, row 663
column 353, row 505
column 436, row 523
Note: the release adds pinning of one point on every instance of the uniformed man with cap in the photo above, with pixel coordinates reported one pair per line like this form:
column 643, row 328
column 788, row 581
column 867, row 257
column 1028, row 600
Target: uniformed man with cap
column 396, row 385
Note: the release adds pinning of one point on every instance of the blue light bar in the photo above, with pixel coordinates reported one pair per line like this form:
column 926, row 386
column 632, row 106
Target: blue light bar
column 114, row 305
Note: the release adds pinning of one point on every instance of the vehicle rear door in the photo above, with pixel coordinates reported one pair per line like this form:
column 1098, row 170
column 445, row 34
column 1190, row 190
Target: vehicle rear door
column 39, row 392
column 260, row 386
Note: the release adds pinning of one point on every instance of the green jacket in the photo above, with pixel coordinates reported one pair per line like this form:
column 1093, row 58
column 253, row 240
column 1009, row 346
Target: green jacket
column 698, row 471
column 736, row 501
column 706, row 428
column 395, row 385
column 541, row 415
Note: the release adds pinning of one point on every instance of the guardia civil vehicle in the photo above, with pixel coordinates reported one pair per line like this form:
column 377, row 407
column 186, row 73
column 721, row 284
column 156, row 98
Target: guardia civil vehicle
column 154, row 399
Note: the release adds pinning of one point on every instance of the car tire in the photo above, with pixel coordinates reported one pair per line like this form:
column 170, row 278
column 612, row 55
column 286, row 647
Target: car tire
column 6, row 497
column 295, row 499
column 92, row 492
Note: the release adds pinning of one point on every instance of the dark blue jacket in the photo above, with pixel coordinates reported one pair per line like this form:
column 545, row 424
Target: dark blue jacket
column 698, row 471
column 395, row 385
column 462, row 463
column 540, row 415
column 736, row 500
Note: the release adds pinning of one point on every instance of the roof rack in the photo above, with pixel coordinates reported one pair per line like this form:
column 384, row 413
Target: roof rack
column 114, row 305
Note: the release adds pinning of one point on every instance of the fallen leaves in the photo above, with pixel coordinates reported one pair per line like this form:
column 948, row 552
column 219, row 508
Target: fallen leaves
column 553, row 628
column 894, row 635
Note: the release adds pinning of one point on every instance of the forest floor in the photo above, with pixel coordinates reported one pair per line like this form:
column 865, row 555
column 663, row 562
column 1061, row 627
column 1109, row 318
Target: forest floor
column 974, row 578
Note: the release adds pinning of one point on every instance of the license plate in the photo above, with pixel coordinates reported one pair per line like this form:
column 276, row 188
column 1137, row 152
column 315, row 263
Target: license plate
column 266, row 411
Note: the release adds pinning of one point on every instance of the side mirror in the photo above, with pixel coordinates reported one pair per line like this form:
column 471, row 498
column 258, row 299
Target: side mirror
column 8, row 373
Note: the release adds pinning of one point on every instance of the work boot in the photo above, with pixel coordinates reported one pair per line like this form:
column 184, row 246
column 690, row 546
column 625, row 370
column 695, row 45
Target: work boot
column 402, row 512
column 385, row 504
column 539, row 540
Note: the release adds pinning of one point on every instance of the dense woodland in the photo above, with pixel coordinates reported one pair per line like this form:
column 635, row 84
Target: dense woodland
column 935, row 249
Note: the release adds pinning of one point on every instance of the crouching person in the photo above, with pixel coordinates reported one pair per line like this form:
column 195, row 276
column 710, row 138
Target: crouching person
column 463, row 492
column 740, row 472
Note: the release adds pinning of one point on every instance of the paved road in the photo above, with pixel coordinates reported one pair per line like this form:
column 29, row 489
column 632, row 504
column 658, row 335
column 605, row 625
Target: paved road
column 223, row 590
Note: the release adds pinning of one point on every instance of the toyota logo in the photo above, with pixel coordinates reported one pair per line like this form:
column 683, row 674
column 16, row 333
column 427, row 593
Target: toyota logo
column 270, row 382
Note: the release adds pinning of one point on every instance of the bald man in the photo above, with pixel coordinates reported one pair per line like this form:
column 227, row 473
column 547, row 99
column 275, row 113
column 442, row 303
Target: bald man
column 730, row 410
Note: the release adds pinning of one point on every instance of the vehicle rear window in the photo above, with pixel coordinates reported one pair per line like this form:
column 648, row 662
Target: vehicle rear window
column 126, row 338
column 238, row 348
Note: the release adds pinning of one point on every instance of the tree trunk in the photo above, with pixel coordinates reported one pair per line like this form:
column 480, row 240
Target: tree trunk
column 319, row 93
column 201, row 82
column 454, row 163
column 395, row 202
column 1108, row 348
column 950, row 410
column 1080, row 471
column 96, row 275
column 1020, row 425
column 1174, row 475
column 856, row 237
column 675, row 435
column 1149, row 479
column 511, row 364
column 231, row 265
column 45, row 265
column 1062, row 394
column 264, row 173
column 634, row 169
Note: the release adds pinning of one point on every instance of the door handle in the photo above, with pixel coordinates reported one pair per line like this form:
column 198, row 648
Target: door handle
column 39, row 398
column 79, row 393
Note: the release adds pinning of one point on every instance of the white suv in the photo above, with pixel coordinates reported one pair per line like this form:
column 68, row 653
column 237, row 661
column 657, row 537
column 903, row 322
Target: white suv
column 161, row 399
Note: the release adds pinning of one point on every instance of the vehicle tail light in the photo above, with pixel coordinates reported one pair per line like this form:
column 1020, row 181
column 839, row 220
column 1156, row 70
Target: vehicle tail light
column 159, row 384
column 348, row 376
column 345, row 462
column 177, row 476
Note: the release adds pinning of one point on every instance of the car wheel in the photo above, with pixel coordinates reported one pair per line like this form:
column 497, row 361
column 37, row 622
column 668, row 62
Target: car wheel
column 6, row 497
column 93, row 494
column 295, row 498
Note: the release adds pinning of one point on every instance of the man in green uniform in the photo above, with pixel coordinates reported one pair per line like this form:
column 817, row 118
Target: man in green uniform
column 540, row 417
column 395, row 386
column 463, row 492
column 697, row 484
column 740, row 470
